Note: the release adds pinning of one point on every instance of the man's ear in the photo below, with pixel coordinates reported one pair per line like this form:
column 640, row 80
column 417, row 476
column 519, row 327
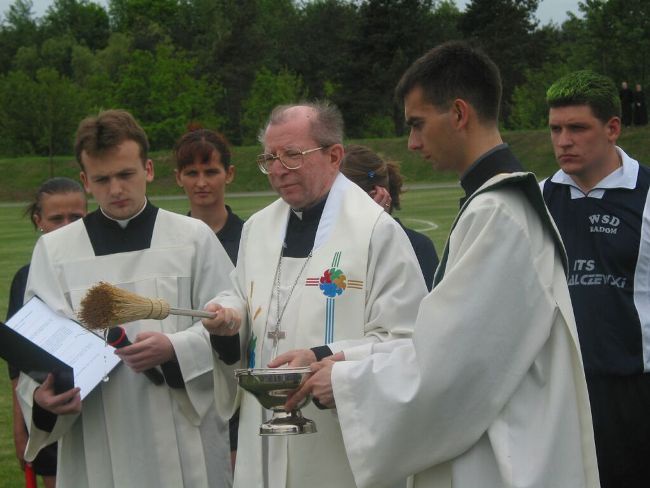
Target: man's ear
column 336, row 154
column 148, row 168
column 613, row 129
column 84, row 180
column 460, row 113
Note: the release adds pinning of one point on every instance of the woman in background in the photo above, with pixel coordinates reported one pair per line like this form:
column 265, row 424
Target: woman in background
column 58, row 202
column 203, row 170
column 383, row 182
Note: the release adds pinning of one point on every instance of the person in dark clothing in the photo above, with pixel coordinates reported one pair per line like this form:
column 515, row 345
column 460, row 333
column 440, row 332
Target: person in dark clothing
column 640, row 108
column 58, row 201
column 383, row 182
column 627, row 104
column 598, row 199
column 203, row 170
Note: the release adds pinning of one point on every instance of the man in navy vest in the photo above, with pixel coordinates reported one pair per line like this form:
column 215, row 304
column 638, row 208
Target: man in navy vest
column 599, row 200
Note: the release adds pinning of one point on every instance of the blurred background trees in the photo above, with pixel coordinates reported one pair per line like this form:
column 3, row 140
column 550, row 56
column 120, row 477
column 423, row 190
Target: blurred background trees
column 225, row 63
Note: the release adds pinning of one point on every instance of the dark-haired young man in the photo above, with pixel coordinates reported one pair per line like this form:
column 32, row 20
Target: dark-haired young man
column 490, row 392
column 599, row 200
column 129, row 432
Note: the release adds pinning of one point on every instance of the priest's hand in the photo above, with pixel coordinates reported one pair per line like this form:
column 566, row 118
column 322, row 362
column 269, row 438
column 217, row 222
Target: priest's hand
column 225, row 323
column 319, row 384
column 148, row 351
column 294, row 359
column 338, row 356
column 68, row 402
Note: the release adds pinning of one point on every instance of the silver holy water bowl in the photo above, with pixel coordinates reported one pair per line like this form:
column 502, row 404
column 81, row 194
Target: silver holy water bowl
column 271, row 387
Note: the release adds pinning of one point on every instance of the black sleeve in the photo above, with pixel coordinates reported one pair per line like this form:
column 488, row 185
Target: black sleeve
column 321, row 352
column 427, row 259
column 16, row 296
column 233, row 429
column 17, row 291
column 226, row 347
column 43, row 419
column 14, row 372
column 172, row 373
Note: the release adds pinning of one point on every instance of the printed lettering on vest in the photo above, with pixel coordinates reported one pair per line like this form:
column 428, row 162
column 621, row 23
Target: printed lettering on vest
column 604, row 224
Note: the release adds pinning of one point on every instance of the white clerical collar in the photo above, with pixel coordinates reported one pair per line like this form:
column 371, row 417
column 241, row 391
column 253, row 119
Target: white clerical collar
column 327, row 220
column 624, row 176
column 123, row 223
column 313, row 212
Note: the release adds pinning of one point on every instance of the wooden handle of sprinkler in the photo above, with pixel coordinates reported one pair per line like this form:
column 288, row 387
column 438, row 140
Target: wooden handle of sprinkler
column 192, row 313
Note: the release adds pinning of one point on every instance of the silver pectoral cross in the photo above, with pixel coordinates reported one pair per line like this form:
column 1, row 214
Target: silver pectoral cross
column 276, row 335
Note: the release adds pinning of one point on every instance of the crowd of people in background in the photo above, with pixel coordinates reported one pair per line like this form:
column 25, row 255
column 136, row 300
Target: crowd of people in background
column 519, row 358
column 633, row 107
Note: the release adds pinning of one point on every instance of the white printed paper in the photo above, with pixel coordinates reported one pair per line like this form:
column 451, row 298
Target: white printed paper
column 88, row 355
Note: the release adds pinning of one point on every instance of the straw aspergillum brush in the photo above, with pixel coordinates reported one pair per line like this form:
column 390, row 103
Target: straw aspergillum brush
column 106, row 306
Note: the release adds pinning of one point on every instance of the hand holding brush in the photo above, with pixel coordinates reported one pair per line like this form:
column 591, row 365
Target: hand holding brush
column 225, row 322
column 106, row 306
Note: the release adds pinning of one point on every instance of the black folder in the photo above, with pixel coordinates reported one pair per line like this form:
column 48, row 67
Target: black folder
column 33, row 360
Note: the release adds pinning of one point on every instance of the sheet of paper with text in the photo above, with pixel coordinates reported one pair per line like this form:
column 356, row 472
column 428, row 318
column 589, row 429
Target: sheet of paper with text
column 68, row 341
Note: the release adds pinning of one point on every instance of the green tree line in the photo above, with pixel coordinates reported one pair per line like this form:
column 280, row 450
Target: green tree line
column 226, row 63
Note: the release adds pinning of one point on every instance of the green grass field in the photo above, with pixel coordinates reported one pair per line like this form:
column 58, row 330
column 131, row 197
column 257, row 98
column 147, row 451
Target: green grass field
column 428, row 210
column 23, row 175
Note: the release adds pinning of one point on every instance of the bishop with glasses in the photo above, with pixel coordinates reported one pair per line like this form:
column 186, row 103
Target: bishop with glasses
column 320, row 269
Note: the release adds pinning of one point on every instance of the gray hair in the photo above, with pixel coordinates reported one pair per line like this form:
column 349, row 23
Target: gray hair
column 326, row 128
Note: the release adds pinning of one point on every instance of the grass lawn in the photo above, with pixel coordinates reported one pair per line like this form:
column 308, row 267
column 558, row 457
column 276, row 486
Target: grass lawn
column 428, row 210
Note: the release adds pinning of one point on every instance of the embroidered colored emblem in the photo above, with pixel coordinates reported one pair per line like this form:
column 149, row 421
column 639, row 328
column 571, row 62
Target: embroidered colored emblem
column 333, row 282
column 252, row 343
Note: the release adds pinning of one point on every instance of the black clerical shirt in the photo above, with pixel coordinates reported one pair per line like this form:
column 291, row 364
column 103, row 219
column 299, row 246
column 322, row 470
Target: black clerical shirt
column 298, row 243
column 497, row 160
column 108, row 237
column 301, row 231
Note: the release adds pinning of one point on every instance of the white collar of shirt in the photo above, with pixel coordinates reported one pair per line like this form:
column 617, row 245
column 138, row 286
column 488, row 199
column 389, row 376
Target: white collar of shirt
column 623, row 177
column 125, row 222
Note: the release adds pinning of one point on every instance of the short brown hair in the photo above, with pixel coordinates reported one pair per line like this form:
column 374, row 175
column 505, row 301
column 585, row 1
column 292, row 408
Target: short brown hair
column 201, row 144
column 103, row 133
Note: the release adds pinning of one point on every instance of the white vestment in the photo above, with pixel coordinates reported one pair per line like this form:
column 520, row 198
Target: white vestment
column 490, row 392
column 132, row 433
column 358, row 244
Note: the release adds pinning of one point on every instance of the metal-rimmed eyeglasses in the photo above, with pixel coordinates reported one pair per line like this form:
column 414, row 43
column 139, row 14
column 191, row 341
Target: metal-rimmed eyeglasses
column 290, row 159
